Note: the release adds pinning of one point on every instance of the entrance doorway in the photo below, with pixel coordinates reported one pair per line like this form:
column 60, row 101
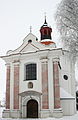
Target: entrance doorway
column 32, row 109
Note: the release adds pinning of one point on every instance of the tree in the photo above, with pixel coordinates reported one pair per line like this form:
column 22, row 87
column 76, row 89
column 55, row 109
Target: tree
column 67, row 24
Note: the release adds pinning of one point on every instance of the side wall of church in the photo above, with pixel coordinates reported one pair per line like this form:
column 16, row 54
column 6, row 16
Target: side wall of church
column 67, row 68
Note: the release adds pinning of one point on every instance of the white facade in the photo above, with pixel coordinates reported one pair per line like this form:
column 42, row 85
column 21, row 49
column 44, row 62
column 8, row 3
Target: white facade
column 40, row 54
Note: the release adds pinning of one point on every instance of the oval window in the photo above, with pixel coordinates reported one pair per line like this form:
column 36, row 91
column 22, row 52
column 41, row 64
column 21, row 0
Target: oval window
column 65, row 77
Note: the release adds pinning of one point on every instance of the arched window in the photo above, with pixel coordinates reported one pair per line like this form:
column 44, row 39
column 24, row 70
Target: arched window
column 31, row 71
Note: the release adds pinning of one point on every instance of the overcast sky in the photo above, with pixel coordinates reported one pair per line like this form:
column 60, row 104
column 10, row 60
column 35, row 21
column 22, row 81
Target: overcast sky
column 16, row 17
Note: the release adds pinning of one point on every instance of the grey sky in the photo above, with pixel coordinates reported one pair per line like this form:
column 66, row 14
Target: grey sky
column 16, row 16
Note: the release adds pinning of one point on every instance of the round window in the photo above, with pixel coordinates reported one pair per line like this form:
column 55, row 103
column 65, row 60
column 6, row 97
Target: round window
column 29, row 41
column 65, row 77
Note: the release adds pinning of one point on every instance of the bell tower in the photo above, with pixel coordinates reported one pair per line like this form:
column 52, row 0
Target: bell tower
column 45, row 31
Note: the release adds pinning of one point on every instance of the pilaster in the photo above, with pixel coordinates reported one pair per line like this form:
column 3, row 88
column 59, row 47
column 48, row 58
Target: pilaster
column 16, row 85
column 45, row 102
column 7, row 86
column 57, row 102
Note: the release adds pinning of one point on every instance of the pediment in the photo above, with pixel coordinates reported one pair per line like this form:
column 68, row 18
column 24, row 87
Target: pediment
column 30, row 36
column 29, row 48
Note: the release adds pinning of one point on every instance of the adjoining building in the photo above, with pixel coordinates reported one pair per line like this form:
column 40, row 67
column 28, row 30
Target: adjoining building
column 40, row 79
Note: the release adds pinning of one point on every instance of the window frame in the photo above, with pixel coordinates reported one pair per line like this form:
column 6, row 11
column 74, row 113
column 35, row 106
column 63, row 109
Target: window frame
column 25, row 77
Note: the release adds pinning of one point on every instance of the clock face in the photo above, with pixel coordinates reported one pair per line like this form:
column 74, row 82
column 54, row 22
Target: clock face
column 65, row 77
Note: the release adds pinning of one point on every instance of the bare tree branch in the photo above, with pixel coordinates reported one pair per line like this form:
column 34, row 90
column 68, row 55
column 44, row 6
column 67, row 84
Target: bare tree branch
column 67, row 24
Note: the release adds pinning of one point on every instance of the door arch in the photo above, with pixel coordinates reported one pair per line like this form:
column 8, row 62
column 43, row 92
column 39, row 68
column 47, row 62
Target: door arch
column 32, row 109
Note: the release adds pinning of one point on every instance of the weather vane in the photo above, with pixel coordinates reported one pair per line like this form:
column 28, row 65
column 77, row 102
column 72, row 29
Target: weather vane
column 30, row 29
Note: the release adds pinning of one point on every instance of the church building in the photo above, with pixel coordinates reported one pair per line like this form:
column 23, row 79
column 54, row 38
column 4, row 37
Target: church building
column 40, row 79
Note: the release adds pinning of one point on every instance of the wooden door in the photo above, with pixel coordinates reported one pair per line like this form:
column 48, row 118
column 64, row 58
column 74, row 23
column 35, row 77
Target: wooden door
column 32, row 109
